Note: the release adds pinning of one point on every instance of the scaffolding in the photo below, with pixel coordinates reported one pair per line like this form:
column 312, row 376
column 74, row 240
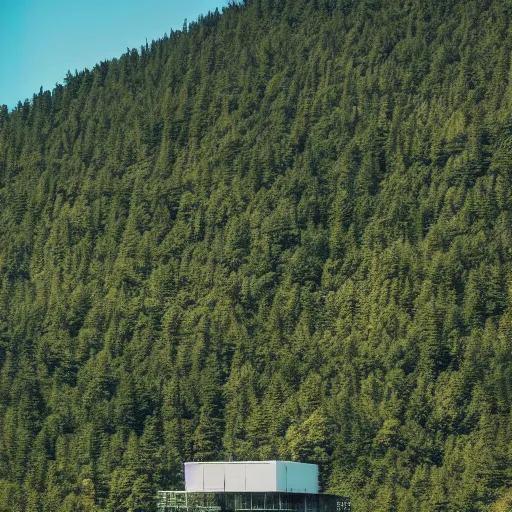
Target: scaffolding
column 183, row 501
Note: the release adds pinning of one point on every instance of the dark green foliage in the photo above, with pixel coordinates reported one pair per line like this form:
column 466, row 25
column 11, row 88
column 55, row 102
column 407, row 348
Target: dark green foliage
column 283, row 232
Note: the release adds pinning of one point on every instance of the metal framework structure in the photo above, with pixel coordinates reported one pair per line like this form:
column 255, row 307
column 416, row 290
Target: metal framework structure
column 183, row 501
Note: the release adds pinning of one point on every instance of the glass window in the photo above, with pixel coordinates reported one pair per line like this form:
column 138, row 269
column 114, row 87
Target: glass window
column 258, row 501
column 229, row 502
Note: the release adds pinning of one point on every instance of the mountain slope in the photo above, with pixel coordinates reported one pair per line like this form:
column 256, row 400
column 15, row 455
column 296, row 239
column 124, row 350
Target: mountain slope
column 283, row 232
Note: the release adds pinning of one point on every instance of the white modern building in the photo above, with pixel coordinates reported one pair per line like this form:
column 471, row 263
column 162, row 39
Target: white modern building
column 251, row 486
column 264, row 476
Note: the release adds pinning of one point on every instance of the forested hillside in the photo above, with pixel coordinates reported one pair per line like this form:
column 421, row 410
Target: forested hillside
column 282, row 232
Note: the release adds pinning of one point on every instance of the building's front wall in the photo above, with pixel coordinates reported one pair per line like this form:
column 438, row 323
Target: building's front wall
column 264, row 476
column 235, row 477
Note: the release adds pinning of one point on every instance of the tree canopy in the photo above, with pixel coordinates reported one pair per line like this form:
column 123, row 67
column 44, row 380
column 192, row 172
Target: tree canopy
column 282, row 232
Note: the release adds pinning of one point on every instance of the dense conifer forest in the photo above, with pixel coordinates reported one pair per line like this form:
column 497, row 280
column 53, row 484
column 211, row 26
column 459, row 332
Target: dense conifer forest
column 284, row 231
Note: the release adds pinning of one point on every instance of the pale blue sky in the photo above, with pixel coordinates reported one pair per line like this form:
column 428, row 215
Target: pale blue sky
column 41, row 39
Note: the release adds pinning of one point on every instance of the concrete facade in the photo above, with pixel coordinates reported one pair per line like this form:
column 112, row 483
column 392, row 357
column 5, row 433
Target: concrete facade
column 251, row 476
